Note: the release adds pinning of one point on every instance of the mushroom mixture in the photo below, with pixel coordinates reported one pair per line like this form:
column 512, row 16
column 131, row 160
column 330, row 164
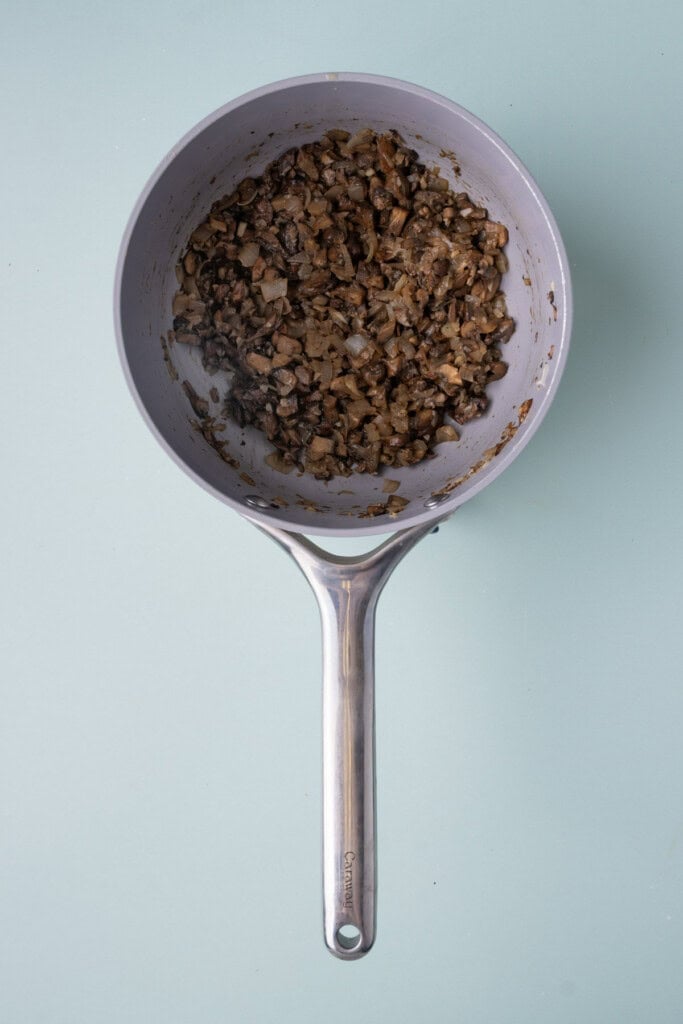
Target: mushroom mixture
column 356, row 299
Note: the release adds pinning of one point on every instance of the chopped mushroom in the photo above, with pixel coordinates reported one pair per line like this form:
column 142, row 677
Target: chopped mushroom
column 248, row 254
column 446, row 433
column 357, row 300
column 271, row 290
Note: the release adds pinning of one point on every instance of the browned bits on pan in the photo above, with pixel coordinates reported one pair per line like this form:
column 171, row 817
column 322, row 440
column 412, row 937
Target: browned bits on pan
column 524, row 410
column 356, row 299
column 172, row 372
column 392, row 506
column 199, row 405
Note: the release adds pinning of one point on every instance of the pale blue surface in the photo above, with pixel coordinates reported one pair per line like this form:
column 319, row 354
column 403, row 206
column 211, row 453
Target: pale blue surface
column 159, row 737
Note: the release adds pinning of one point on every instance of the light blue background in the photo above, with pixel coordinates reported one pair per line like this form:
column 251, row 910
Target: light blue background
column 160, row 743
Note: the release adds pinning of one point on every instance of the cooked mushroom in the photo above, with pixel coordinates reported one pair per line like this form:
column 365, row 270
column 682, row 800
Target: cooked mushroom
column 358, row 300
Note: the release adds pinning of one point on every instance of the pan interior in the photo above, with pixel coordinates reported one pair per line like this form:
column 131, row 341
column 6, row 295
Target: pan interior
column 239, row 141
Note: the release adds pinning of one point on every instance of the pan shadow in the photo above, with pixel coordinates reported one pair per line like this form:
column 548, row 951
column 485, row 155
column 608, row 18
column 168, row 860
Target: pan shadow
column 612, row 335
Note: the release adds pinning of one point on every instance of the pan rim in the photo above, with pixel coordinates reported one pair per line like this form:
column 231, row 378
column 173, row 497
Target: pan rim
column 541, row 403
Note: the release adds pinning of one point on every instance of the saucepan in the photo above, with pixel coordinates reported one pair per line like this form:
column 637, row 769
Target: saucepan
column 239, row 140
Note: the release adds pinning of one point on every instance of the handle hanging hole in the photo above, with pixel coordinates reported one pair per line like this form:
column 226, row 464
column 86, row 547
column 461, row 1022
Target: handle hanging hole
column 348, row 936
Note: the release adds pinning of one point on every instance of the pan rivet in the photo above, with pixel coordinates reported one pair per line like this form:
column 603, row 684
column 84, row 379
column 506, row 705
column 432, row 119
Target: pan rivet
column 256, row 501
column 435, row 500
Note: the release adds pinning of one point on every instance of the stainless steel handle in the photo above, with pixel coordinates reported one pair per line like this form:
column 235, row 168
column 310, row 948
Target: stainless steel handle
column 347, row 608
column 347, row 590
